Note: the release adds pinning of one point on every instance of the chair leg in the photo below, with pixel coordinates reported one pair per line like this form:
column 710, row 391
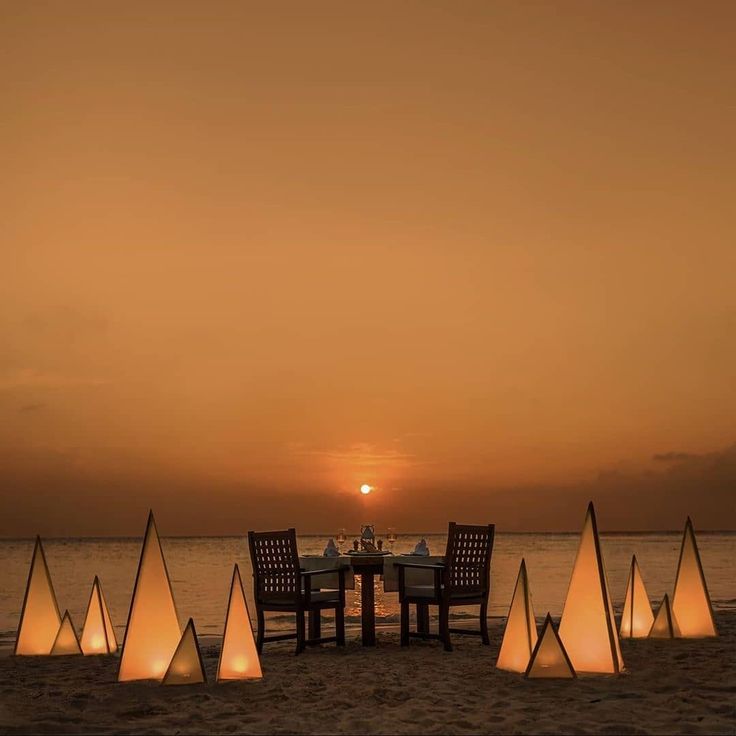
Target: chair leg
column 340, row 626
column 261, row 631
column 422, row 618
column 300, row 633
column 315, row 624
column 445, row 626
column 484, row 623
column 404, row 624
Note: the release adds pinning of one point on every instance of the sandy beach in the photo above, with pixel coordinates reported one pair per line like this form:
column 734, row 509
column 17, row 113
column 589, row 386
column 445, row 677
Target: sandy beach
column 669, row 687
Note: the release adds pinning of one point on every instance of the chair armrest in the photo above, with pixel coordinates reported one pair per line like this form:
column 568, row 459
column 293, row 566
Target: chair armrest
column 308, row 573
column 437, row 577
column 433, row 566
column 326, row 571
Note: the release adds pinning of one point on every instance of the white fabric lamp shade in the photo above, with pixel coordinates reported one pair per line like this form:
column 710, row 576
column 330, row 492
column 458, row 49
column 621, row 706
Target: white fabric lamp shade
column 637, row 617
column 520, row 633
column 238, row 655
column 549, row 658
column 98, row 635
column 665, row 624
column 588, row 628
column 153, row 632
column 40, row 618
column 66, row 641
column 691, row 603
column 186, row 667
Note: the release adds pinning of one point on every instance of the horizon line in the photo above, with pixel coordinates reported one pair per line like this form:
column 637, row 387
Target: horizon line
column 613, row 532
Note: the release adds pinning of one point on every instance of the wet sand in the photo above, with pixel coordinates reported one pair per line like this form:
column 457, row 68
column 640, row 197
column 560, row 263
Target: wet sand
column 669, row 687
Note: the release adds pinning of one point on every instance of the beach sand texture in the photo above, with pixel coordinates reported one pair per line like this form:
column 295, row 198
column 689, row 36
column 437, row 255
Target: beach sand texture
column 669, row 687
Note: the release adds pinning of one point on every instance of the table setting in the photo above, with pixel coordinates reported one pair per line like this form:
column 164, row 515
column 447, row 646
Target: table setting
column 367, row 559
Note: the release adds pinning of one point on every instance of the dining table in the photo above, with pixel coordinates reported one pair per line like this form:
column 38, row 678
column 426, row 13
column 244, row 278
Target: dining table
column 367, row 566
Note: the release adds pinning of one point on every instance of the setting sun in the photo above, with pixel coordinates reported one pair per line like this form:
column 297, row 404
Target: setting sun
column 365, row 489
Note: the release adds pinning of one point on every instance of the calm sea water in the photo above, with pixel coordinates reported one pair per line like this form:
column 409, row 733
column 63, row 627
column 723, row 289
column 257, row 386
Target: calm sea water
column 201, row 568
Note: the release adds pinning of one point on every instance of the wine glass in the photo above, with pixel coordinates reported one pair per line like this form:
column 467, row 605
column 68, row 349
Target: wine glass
column 341, row 537
column 391, row 537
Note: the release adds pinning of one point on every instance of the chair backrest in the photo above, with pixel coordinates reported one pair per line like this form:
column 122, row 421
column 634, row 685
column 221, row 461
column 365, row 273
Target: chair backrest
column 275, row 563
column 468, row 558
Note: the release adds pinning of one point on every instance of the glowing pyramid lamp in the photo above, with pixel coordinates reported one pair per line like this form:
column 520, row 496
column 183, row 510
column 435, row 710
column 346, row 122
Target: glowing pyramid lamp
column 66, row 641
column 549, row 658
column 690, row 602
column 39, row 618
column 98, row 636
column 587, row 627
column 520, row 634
column 665, row 624
column 637, row 618
column 186, row 667
column 152, row 633
column 238, row 654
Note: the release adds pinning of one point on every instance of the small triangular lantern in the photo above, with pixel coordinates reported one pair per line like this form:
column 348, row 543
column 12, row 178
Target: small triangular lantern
column 66, row 641
column 665, row 624
column 690, row 602
column 112, row 640
column 520, row 633
column 153, row 632
column 549, row 658
column 98, row 636
column 588, row 628
column 186, row 667
column 238, row 655
column 39, row 618
column 637, row 618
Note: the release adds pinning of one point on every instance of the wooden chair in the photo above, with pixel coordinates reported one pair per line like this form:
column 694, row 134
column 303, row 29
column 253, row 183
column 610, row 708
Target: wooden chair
column 280, row 585
column 464, row 579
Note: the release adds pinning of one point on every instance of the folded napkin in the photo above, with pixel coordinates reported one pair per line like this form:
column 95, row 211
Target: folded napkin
column 331, row 549
column 368, row 533
column 421, row 549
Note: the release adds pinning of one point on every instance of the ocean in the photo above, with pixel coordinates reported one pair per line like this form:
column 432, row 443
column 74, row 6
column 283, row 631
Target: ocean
column 201, row 569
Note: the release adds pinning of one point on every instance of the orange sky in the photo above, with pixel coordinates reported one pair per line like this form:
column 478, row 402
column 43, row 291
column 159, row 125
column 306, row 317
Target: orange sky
column 480, row 255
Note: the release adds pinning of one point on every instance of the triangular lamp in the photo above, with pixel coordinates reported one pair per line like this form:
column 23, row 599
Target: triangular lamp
column 186, row 667
column 665, row 624
column 153, row 632
column 98, row 635
column 588, row 628
column 549, row 658
column 690, row 602
column 39, row 618
column 637, row 618
column 66, row 641
column 238, row 655
column 520, row 633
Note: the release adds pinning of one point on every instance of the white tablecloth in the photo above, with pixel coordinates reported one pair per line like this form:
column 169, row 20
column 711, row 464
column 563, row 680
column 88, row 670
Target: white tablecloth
column 390, row 575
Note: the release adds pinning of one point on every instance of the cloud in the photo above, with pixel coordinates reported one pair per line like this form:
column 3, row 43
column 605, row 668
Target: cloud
column 698, row 485
column 688, row 484
column 29, row 408
column 361, row 454
column 673, row 457
column 65, row 321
